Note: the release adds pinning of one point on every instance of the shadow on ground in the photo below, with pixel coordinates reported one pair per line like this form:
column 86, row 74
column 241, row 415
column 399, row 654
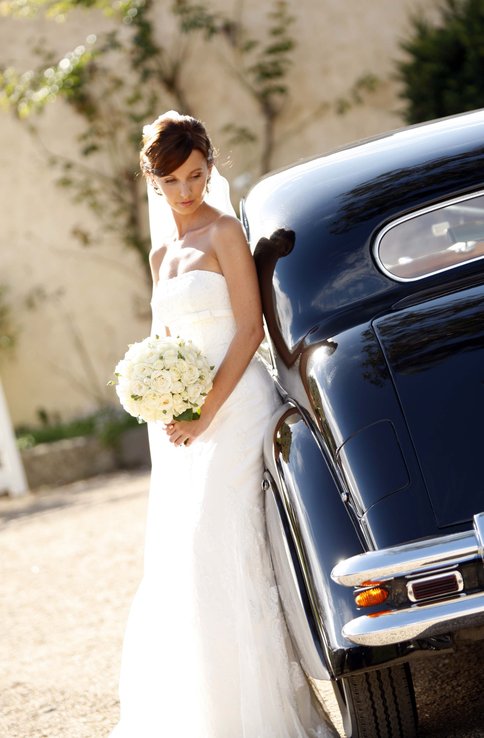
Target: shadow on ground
column 449, row 693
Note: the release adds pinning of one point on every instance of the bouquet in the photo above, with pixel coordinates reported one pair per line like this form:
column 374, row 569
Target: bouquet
column 163, row 379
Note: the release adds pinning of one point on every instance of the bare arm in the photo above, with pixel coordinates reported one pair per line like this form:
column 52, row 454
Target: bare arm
column 236, row 262
column 238, row 267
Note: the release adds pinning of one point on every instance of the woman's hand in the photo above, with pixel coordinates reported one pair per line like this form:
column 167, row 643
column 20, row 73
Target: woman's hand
column 184, row 432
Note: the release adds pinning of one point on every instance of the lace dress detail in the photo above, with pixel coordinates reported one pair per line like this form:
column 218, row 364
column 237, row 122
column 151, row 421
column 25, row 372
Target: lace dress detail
column 206, row 651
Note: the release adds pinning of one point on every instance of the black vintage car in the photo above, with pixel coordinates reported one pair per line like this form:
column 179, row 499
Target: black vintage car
column 370, row 262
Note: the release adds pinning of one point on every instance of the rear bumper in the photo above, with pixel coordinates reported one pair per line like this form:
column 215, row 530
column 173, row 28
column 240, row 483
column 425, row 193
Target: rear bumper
column 422, row 558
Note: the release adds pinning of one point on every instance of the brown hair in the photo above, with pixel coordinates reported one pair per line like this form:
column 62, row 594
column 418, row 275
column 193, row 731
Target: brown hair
column 169, row 141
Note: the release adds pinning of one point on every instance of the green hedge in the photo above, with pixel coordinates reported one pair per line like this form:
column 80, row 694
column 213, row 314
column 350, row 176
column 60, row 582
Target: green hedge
column 107, row 424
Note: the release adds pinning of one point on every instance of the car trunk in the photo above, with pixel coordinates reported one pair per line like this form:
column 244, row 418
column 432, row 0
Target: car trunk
column 435, row 354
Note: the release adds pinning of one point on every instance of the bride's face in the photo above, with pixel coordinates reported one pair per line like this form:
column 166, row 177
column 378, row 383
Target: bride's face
column 185, row 187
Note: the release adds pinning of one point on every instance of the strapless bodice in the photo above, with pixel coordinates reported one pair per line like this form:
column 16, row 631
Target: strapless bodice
column 195, row 305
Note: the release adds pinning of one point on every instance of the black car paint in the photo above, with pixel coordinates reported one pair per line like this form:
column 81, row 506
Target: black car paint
column 436, row 354
column 336, row 204
column 336, row 323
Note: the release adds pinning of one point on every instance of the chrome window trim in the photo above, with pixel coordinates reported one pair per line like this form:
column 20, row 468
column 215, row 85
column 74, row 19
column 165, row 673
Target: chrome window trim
column 411, row 216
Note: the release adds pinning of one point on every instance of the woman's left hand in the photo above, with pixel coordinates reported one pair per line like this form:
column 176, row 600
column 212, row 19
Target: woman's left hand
column 184, row 432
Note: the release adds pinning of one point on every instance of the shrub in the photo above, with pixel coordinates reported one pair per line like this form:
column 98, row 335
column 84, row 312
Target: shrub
column 107, row 424
column 443, row 73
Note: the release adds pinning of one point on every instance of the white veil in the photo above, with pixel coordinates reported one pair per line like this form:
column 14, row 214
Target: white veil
column 162, row 224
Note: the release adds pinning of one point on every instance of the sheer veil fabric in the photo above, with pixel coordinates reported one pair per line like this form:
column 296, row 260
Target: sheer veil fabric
column 206, row 653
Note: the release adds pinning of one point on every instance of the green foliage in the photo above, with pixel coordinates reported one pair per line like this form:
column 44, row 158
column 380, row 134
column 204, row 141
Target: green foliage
column 261, row 66
column 8, row 332
column 59, row 8
column 107, row 424
column 114, row 82
column 31, row 91
column 365, row 83
column 443, row 73
column 120, row 79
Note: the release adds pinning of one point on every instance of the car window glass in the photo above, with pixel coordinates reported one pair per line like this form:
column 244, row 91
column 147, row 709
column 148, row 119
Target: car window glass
column 433, row 240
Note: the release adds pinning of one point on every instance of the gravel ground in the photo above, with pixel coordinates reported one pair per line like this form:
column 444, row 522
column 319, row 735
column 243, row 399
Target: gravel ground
column 71, row 561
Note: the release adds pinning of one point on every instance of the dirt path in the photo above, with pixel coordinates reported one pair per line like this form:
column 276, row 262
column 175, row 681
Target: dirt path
column 70, row 562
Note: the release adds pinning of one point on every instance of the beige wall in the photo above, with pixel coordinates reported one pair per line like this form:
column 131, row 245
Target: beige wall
column 93, row 301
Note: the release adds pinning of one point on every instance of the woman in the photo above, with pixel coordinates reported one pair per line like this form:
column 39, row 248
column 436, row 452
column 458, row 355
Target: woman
column 206, row 654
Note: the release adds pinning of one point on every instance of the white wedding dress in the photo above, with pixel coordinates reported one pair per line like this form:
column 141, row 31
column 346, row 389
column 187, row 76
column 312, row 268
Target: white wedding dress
column 206, row 652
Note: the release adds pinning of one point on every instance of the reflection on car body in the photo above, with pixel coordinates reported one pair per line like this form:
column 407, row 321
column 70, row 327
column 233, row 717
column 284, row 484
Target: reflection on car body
column 370, row 261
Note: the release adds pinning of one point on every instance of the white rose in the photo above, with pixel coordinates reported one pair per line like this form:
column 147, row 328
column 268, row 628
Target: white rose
column 174, row 374
column 123, row 384
column 190, row 375
column 181, row 365
column 132, row 372
column 190, row 355
column 140, row 371
column 161, row 381
column 135, row 352
column 170, row 357
column 137, row 387
column 151, row 355
column 194, row 392
column 179, row 405
column 122, row 368
column 131, row 406
column 177, row 386
column 156, row 406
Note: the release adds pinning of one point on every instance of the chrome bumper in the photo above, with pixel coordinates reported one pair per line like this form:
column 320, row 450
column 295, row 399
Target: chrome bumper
column 412, row 560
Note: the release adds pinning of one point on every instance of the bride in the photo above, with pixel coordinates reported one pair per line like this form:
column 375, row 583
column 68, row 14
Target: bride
column 206, row 653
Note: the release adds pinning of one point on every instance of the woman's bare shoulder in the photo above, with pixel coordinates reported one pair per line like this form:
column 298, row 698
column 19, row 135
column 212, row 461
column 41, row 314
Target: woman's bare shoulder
column 228, row 227
column 232, row 251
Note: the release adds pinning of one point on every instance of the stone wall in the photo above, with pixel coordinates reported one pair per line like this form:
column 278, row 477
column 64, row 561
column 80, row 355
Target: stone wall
column 78, row 307
column 63, row 462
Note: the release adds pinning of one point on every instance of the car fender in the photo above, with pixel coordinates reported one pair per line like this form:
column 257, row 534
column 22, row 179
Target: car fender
column 310, row 531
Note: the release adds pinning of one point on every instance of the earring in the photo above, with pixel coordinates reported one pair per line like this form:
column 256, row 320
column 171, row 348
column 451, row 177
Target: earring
column 207, row 185
column 156, row 189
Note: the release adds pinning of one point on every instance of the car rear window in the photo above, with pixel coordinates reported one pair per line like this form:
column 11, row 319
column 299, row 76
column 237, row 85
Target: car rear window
column 434, row 239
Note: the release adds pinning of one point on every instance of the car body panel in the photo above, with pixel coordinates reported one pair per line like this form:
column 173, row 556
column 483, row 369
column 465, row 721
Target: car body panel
column 331, row 207
column 355, row 403
column 322, row 534
column 435, row 353
column 377, row 443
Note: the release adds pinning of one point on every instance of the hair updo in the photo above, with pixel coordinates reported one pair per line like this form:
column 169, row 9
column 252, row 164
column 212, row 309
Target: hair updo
column 169, row 141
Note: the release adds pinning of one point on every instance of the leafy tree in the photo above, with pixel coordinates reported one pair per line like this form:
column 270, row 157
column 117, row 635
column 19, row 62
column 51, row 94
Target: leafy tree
column 443, row 73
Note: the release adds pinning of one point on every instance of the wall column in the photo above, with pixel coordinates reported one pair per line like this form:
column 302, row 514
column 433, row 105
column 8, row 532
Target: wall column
column 12, row 475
